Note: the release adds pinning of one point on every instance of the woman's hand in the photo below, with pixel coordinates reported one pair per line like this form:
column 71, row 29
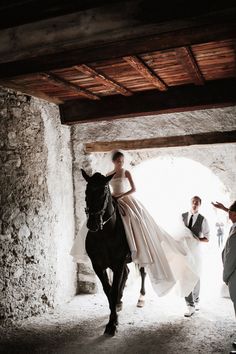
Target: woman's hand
column 116, row 197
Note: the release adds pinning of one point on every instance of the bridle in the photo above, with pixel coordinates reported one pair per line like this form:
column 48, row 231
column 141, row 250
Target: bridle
column 101, row 212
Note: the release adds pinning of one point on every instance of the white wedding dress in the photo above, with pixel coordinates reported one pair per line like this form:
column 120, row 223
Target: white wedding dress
column 170, row 263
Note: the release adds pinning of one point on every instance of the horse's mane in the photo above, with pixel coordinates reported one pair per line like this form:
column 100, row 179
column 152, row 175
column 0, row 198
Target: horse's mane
column 97, row 178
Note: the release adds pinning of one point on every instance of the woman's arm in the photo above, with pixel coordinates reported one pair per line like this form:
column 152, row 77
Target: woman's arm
column 220, row 206
column 110, row 173
column 132, row 185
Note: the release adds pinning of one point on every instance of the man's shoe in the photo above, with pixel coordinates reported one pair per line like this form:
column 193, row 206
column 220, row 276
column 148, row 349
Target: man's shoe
column 197, row 307
column 234, row 344
column 190, row 312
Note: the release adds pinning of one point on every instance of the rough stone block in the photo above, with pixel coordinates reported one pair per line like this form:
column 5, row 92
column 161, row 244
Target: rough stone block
column 86, row 287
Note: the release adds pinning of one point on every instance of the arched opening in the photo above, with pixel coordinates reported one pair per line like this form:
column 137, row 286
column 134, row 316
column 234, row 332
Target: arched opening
column 165, row 185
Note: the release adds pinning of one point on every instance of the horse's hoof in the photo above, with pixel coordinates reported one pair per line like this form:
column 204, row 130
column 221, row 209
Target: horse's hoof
column 140, row 303
column 110, row 330
column 119, row 306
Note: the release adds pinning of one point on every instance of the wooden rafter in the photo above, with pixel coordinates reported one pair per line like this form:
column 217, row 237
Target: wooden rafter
column 103, row 79
column 164, row 142
column 27, row 90
column 145, row 72
column 68, row 85
column 187, row 59
column 213, row 94
column 17, row 12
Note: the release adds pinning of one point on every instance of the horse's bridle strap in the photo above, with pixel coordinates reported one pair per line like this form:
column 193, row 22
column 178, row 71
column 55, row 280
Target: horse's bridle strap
column 104, row 222
column 102, row 211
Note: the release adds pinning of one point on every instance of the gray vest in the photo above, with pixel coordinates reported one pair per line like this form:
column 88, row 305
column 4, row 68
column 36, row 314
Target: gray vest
column 197, row 227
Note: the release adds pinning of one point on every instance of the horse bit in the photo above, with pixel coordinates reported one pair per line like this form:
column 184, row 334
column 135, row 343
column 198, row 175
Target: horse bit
column 101, row 212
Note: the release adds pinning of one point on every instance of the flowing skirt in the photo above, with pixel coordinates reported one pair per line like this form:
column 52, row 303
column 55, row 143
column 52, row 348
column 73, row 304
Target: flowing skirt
column 170, row 262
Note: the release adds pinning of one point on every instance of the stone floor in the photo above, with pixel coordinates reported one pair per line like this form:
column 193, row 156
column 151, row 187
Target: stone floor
column 159, row 327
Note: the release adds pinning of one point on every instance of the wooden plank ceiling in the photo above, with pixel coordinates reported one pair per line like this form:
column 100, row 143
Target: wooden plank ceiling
column 162, row 72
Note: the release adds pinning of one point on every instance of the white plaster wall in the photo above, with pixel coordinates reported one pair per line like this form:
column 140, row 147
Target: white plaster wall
column 60, row 188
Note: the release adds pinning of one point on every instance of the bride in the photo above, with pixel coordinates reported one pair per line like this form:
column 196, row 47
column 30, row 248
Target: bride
column 169, row 262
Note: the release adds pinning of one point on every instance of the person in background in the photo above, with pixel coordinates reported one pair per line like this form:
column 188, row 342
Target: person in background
column 220, row 233
column 229, row 256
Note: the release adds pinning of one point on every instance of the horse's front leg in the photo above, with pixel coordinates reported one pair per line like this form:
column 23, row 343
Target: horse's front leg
column 118, row 275
column 102, row 275
column 141, row 300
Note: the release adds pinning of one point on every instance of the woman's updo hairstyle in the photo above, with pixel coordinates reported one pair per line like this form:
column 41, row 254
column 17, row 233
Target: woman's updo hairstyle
column 116, row 154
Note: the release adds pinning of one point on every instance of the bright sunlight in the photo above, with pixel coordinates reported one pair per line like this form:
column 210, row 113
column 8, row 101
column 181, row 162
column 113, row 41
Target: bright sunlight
column 166, row 185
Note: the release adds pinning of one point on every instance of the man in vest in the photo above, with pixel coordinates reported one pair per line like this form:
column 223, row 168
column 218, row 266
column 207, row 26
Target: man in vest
column 229, row 257
column 199, row 227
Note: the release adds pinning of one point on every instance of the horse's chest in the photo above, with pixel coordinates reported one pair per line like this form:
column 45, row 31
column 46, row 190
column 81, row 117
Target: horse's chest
column 101, row 246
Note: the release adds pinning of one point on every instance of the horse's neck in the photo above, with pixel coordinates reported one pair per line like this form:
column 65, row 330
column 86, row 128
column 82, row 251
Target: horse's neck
column 110, row 210
column 110, row 207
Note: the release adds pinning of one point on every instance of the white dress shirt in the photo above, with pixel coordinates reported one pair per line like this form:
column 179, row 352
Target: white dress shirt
column 205, row 225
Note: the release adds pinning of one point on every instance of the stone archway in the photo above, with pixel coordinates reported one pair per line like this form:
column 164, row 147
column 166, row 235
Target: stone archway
column 216, row 159
column 165, row 185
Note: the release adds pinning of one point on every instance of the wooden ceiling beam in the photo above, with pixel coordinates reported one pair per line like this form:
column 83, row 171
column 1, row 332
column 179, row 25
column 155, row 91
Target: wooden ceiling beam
column 110, row 47
column 188, row 61
column 213, row 94
column 103, row 79
column 27, row 90
column 143, row 69
column 17, row 12
column 68, row 85
column 163, row 142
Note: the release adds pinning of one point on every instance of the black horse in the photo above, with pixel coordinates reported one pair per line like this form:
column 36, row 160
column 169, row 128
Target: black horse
column 106, row 242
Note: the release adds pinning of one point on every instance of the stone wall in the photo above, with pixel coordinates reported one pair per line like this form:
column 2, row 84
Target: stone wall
column 36, row 211
column 221, row 158
column 85, row 276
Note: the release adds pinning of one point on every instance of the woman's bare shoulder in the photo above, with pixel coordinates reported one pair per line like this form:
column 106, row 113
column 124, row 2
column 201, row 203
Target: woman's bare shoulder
column 127, row 173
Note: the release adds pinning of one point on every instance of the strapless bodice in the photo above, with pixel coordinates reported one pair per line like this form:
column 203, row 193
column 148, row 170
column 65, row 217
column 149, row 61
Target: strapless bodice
column 119, row 185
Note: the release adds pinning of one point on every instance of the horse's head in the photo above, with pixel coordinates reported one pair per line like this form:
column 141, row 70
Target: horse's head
column 96, row 196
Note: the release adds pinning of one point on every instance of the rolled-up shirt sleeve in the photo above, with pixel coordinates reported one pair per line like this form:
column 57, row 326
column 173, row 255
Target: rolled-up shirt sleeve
column 205, row 229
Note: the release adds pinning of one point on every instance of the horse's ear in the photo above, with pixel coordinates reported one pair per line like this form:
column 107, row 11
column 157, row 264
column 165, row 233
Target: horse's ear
column 108, row 178
column 84, row 174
